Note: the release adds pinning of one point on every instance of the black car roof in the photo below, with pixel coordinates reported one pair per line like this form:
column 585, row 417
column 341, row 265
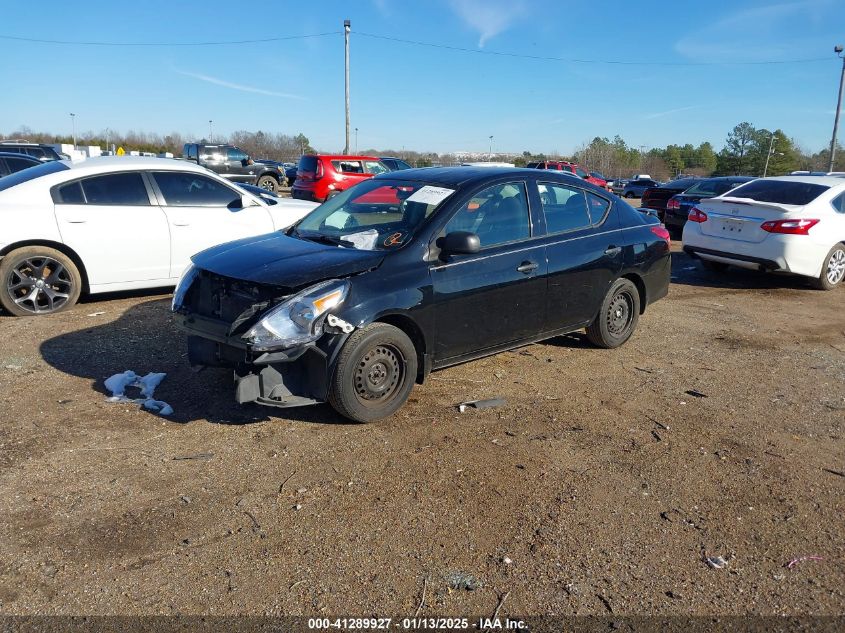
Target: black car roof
column 458, row 176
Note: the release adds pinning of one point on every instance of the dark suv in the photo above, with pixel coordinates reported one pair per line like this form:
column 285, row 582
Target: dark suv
column 234, row 164
column 43, row 153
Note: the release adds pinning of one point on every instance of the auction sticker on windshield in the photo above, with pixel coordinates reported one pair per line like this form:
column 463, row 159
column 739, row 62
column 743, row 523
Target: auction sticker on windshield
column 430, row 194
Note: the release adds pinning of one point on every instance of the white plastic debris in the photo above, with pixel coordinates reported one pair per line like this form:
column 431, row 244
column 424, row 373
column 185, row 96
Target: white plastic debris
column 119, row 383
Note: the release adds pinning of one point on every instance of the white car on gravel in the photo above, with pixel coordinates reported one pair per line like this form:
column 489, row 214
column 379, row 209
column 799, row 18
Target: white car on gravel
column 118, row 223
column 791, row 224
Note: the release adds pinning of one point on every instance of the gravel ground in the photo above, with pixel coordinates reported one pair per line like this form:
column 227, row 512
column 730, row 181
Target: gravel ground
column 600, row 487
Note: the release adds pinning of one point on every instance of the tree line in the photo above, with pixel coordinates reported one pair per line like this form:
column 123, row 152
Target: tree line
column 745, row 152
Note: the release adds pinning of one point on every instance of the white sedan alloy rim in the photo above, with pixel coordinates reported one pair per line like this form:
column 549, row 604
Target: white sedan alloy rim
column 836, row 266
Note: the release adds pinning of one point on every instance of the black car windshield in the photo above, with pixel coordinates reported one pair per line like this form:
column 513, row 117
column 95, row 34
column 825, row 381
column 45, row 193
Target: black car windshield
column 374, row 215
column 30, row 173
column 778, row 191
column 710, row 188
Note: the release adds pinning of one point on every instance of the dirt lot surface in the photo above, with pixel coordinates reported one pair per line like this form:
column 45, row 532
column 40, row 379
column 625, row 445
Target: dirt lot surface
column 601, row 485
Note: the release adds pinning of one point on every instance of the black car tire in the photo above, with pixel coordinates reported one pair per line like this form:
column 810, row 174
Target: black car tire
column 714, row 267
column 830, row 277
column 630, row 194
column 374, row 373
column 269, row 183
column 618, row 316
column 23, row 268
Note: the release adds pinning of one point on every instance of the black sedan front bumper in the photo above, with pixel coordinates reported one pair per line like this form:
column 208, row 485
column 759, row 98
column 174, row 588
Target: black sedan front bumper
column 286, row 378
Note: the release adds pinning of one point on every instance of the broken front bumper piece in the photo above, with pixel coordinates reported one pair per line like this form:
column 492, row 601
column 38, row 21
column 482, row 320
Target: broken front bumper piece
column 292, row 377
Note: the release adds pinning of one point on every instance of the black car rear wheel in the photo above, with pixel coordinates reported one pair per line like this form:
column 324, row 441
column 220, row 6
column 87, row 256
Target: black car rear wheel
column 374, row 373
column 618, row 316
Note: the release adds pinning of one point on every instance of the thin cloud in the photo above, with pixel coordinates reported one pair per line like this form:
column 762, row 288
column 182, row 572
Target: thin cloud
column 489, row 17
column 234, row 86
column 657, row 115
column 760, row 33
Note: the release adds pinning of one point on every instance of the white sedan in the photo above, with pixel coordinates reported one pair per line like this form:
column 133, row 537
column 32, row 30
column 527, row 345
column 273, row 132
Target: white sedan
column 791, row 224
column 117, row 223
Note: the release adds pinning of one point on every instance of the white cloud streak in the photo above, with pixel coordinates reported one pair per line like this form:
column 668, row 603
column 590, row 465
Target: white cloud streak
column 760, row 33
column 235, row 86
column 488, row 17
column 657, row 115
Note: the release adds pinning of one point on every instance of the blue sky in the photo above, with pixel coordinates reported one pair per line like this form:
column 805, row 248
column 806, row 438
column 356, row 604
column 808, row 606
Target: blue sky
column 426, row 98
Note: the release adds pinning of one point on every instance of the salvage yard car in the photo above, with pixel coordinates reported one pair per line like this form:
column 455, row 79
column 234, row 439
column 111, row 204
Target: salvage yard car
column 116, row 223
column 791, row 224
column 413, row 271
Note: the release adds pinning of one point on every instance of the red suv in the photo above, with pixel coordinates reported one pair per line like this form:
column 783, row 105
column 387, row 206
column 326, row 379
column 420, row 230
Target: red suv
column 572, row 168
column 319, row 177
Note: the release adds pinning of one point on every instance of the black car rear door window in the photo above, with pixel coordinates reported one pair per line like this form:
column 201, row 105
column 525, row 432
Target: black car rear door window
column 188, row 189
column 497, row 214
column 116, row 189
column 565, row 207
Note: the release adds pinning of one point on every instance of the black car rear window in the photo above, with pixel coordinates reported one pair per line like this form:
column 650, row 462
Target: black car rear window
column 308, row 163
column 31, row 174
column 780, row 191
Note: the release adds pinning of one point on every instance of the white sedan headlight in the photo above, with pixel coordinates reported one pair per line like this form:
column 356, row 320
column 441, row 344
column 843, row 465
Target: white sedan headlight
column 299, row 319
column 185, row 281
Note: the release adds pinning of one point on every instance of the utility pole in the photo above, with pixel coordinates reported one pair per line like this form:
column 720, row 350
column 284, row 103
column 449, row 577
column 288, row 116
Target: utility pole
column 210, row 132
column 838, row 50
column 73, row 124
column 769, row 155
column 347, row 26
column 491, row 146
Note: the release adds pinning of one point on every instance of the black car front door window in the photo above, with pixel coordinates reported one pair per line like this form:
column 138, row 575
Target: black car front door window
column 498, row 214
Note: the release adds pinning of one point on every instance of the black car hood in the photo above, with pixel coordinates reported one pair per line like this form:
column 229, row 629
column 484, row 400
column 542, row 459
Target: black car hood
column 278, row 260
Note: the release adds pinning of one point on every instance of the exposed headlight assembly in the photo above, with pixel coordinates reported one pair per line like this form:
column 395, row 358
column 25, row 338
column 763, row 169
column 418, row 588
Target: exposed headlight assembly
column 299, row 319
column 185, row 281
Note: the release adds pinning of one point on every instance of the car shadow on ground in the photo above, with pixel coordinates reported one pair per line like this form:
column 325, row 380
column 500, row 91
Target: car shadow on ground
column 144, row 339
column 688, row 271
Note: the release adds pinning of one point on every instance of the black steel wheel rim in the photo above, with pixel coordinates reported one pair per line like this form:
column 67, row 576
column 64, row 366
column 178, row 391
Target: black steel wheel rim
column 620, row 314
column 378, row 375
column 39, row 285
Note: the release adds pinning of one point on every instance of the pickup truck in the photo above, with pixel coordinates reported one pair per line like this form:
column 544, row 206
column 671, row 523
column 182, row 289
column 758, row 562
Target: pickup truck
column 234, row 164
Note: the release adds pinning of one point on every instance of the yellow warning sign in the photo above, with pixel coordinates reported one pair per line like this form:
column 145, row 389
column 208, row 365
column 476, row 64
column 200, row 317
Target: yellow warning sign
column 120, row 151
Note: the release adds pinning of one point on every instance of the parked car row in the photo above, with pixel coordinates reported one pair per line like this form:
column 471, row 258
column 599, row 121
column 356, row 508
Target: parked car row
column 571, row 168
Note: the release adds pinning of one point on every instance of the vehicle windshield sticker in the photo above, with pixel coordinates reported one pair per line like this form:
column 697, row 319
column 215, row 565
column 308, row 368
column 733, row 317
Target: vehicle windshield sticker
column 364, row 240
column 431, row 195
column 337, row 219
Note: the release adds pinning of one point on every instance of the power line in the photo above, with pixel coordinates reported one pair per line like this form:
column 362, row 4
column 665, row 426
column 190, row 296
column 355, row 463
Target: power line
column 388, row 38
column 582, row 61
column 217, row 43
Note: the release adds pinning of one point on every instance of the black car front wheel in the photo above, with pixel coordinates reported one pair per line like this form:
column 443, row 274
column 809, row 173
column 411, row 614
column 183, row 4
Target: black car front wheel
column 618, row 316
column 630, row 194
column 38, row 280
column 374, row 373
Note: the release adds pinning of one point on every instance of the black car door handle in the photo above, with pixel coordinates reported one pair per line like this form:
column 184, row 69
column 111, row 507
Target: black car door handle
column 613, row 251
column 527, row 267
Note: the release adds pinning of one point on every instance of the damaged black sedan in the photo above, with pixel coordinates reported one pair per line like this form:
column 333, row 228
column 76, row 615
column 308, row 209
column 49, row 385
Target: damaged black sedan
column 413, row 271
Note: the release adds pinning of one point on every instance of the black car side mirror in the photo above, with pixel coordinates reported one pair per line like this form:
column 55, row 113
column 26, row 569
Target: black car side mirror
column 459, row 243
